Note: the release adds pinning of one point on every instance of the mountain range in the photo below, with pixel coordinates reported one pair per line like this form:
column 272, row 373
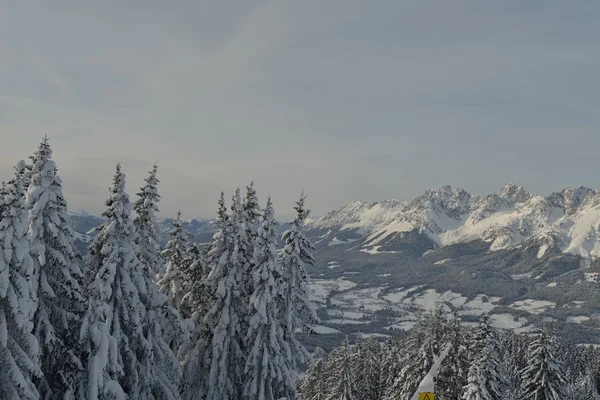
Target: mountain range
column 524, row 258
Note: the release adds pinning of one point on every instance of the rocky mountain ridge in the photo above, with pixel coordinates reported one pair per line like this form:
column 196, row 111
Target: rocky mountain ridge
column 569, row 219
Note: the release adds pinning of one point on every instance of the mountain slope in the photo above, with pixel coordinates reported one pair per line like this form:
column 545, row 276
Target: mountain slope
column 569, row 219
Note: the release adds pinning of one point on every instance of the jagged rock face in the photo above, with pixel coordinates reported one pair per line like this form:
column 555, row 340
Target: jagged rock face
column 568, row 219
column 570, row 199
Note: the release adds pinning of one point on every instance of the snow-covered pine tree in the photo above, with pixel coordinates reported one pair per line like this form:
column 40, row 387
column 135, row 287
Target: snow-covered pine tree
column 201, row 298
column 391, row 363
column 315, row 385
column 452, row 376
column 19, row 361
column 61, row 302
column 252, row 214
column 543, row 376
column 485, row 380
column 217, row 244
column 368, row 370
column 584, row 388
column 426, row 341
column 297, row 310
column 214, row 366
column 510, row 360
column 162, row 323
column 268, row 367
column 112, row 333
column 172, row 283
column 342, row 373
column 194, row 272
column 146, row 234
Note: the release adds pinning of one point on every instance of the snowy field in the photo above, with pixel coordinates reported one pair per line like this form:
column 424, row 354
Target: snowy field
column 347, row 303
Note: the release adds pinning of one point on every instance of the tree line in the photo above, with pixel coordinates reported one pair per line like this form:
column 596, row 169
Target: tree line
column 481, row 363
column 129, row 321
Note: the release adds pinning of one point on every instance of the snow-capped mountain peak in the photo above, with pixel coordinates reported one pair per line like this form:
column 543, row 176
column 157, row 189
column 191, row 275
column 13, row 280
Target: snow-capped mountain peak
column 569, row 218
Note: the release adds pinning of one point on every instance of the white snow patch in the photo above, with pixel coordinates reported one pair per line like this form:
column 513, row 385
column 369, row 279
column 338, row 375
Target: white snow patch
column 374, row 335
column 507, row 321
column 551, row 284
column 521, row 276
column 591, row 277
column 543, row 249
column 321, row 288
column 346, row 322
column 324, row 330
column 444, row 261
column 577, row 319
column 405, row 326
column 481, row 304
column 375, row 250
column 533, row 306
column 335, row 241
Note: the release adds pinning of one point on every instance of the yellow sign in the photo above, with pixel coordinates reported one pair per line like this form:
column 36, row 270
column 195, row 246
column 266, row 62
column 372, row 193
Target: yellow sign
column 426, row 396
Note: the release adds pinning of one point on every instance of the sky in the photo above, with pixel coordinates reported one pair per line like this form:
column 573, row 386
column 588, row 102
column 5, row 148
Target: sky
column 344, row 99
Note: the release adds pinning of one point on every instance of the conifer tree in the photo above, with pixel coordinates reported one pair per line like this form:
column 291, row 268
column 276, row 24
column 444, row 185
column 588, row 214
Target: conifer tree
column 296, row 256
column 201, row 299
column 452, row 376
column 511, row 364
column 341, row 373
column 368, row 370
column 146, row 207
column 214, row 366
column 113, row 331
column 173, row 282
column 315, row 385
column 194, row 272
column 61, row 303
column 268, row 367
column 162, row 324
column 543, row 377
column 391, row 364
column 18, row 346
column 484, row 380
column 252, row 213
column 425, row 343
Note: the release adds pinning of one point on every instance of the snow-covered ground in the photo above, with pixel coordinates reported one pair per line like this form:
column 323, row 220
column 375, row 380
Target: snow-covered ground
column 352, row 305
column 533, row 306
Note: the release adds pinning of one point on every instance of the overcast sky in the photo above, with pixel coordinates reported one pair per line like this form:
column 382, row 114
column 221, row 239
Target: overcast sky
column 348, row 100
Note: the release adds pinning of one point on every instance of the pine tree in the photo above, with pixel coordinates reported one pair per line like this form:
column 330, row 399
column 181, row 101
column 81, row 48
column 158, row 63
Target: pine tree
column 315, row 385
column 341, row 373
column 194, row 272
column 214, row 366
column 425, row 343
column 161, row 367
column 113, row 331
column 543, row 377
column 368, row 370
column 511, row 364
column 201, row 297
column 18, row 346
column 268, row 367
column 296, row 256
column 391, row 364
column 485, row 380
column 146, row 207
column 61, row 303
column 173, row 282
column 585, row 388
column 252, row 213
column 452, row 376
